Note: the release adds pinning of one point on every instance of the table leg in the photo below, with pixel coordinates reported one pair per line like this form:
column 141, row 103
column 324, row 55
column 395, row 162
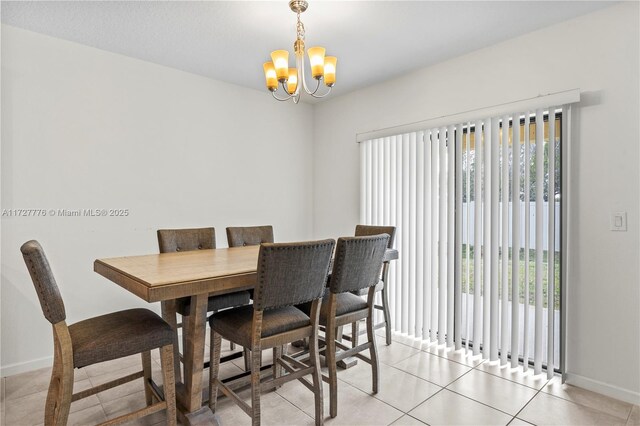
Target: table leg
column 195, row 330
column 169, row 315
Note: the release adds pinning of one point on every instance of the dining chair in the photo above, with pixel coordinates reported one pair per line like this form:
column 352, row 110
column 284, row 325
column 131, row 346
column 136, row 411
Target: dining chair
column 365, row 230
column 238, row 236
column 242, row 236
column 189, row 239
column 356, row 267
column 287, row 274
column 103, row 338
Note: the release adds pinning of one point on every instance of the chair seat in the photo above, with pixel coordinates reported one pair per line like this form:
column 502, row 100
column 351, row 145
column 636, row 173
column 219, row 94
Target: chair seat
column 236, row 324
column 215, row 303
column 345, row 304
column 117, row 335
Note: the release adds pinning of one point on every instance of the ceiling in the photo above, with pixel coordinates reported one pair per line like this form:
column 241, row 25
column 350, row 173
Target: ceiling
column 229, row 40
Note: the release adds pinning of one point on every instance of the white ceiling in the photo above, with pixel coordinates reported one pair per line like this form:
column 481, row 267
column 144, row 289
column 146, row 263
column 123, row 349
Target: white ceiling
column 229, row 40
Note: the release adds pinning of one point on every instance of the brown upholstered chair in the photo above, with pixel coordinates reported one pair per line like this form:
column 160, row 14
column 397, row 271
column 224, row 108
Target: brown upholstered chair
column 288, row 274
column 99, row 339
column 173, row 240
column 238, row 236
column 365, row 230
column 356, row 266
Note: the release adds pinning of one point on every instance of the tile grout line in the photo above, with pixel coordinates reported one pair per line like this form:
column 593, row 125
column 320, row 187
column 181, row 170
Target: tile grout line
column 532, row 398
column 487, row 405
column 480, row 402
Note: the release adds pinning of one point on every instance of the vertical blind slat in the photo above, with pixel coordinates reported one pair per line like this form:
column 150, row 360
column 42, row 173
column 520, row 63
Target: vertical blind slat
column 515, row 262
column 405, row 233
column 467, row 303
column 537, row 349
column 426, row 314
column 451, row 224
column 433, row 334
column 374, row 182
column 457, row 308
column 411, row 294
column 486, row 243
column 442, row 230
column 495, row 236
column 527, row 235
column 419, row 295
column 504, row 322
column 477, row 243
column 399, row 240
column 551, row 244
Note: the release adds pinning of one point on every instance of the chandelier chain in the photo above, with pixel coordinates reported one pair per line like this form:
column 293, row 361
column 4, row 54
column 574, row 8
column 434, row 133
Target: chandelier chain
column 300, row 28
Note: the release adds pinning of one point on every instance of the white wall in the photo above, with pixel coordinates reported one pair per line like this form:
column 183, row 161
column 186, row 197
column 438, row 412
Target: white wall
column 84, row 128
column 598, row 53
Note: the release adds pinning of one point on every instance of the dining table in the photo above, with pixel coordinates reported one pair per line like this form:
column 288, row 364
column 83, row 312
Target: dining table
column 198, row 274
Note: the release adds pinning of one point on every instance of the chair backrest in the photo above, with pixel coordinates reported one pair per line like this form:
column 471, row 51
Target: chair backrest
column 238, row 236
column 291, row 273
column 366, row 230
column 44, row 282
column 357, row 263
column 171, row 240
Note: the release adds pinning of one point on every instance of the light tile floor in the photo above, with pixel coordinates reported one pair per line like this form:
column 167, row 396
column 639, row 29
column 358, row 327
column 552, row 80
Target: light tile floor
column 419, row 384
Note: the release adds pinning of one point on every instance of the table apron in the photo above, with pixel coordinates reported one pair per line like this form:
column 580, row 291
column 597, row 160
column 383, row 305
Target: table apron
column 212, row 286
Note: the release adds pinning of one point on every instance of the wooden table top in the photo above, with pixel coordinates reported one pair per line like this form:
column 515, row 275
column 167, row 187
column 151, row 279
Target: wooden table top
column 165, row 276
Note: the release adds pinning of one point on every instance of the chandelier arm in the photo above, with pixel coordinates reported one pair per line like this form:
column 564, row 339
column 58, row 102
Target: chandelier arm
column 317, row 87
column 323, row 95
column 281, row 99
column 300, row 60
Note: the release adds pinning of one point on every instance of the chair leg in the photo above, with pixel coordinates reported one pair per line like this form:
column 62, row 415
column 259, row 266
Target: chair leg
column 146, row 369
column 314, row 359
column 355, row 333
column 256, row 360
column 373, row 351
column 168, row 382
column 330, row 356
column 247, row 359
column 277, row 368
column 185, row 327
column 339, row 334
column 216, row 348
column 60, row 391
column 232, row 346
column 387, row 315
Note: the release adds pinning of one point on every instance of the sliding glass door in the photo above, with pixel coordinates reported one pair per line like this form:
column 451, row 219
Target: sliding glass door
column 478, row 211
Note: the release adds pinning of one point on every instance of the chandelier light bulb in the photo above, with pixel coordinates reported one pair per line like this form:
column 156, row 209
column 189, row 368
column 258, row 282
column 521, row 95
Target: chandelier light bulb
column 316, row 59
column 330, row 70
column 281, row 63
column 270, row 76
column 292, row 81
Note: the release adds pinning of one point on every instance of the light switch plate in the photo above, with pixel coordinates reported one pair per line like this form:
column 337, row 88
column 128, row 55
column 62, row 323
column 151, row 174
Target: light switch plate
column 618, row 221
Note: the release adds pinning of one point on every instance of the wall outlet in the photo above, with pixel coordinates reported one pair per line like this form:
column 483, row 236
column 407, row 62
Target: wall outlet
column 618, row 221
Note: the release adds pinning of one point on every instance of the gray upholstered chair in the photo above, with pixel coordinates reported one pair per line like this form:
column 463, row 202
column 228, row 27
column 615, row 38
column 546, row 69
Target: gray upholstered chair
column 103, row 338
column 365, row 230
column 288, row 274
column 241, row 236
column 174, row 240
column 356, row 267
column 238, row 236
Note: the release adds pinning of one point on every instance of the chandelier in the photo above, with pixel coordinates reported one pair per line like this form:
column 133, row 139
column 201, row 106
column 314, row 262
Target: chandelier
column 277, row 71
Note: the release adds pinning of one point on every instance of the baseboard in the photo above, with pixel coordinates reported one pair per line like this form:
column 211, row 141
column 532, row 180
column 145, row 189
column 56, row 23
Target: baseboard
column 23, row 367
column 607, row 389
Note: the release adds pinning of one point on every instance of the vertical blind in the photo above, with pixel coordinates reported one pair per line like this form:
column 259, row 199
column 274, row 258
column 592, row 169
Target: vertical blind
column 476, row 205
